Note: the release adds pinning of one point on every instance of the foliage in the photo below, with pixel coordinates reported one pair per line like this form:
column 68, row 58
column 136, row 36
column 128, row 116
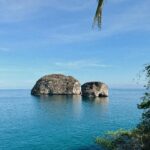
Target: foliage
column 118, row 132
column 98, row 14
column 137, row 139
column 118, row 140
column 107, row 143
column 111, row 138
column 144, row 125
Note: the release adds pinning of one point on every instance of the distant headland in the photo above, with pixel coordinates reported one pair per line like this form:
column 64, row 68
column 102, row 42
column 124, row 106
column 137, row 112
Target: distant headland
column 58, row 84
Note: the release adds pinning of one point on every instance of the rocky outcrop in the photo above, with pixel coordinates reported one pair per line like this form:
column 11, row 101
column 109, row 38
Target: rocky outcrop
column 57, row 84
column 94, row 89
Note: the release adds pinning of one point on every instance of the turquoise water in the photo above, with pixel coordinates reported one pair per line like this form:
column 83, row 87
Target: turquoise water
column 63, row 122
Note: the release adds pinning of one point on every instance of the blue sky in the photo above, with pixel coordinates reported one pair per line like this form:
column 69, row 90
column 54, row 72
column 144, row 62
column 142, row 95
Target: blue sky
column 39, row 37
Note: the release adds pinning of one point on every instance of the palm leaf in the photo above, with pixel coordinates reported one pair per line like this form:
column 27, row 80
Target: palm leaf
column 98, row 14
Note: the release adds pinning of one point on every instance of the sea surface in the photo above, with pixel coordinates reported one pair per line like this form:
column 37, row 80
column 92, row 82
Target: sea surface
column 63, row 122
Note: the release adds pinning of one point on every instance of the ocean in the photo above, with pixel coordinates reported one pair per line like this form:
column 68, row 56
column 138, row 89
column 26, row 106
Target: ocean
column 63, row 122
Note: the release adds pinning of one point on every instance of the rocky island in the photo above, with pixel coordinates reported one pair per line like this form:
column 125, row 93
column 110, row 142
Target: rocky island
column 58, row 84
column 94, row 89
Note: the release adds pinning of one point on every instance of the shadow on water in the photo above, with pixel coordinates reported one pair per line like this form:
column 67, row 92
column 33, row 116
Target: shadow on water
column 57, row 97
column 76, row 103
column 96, row 100
column 63, row 98
column 72, row 106
column 72, row 109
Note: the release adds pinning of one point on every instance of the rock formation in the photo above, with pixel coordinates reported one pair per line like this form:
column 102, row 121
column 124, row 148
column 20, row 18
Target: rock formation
column 57, row 84
column 94, row 89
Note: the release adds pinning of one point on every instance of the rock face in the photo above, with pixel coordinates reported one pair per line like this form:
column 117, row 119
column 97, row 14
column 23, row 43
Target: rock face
column 95, row 89
column 57, row 84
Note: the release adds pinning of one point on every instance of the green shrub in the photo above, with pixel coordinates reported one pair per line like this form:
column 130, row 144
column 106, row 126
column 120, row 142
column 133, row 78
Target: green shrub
column 112, row 138
column 107, row 143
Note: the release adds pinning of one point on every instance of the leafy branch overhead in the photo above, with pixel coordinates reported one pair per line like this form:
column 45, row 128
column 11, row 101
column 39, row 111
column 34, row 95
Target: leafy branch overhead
column 98, row 14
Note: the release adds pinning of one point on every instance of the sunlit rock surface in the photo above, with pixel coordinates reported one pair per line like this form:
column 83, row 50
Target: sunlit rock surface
column 57, row 84
column 94, row 89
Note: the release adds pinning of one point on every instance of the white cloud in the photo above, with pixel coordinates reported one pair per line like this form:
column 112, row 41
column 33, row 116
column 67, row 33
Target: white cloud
column 118, row 1
column 2, row 49
column 16, row 10
column 81, row 64
column 134, row 18
column 73, row 5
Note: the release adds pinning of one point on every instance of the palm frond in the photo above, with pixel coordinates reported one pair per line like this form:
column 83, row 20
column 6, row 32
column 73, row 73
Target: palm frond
column 98, row 14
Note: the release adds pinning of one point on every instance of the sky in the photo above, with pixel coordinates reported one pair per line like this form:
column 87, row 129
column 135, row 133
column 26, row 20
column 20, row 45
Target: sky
column 40, row 37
